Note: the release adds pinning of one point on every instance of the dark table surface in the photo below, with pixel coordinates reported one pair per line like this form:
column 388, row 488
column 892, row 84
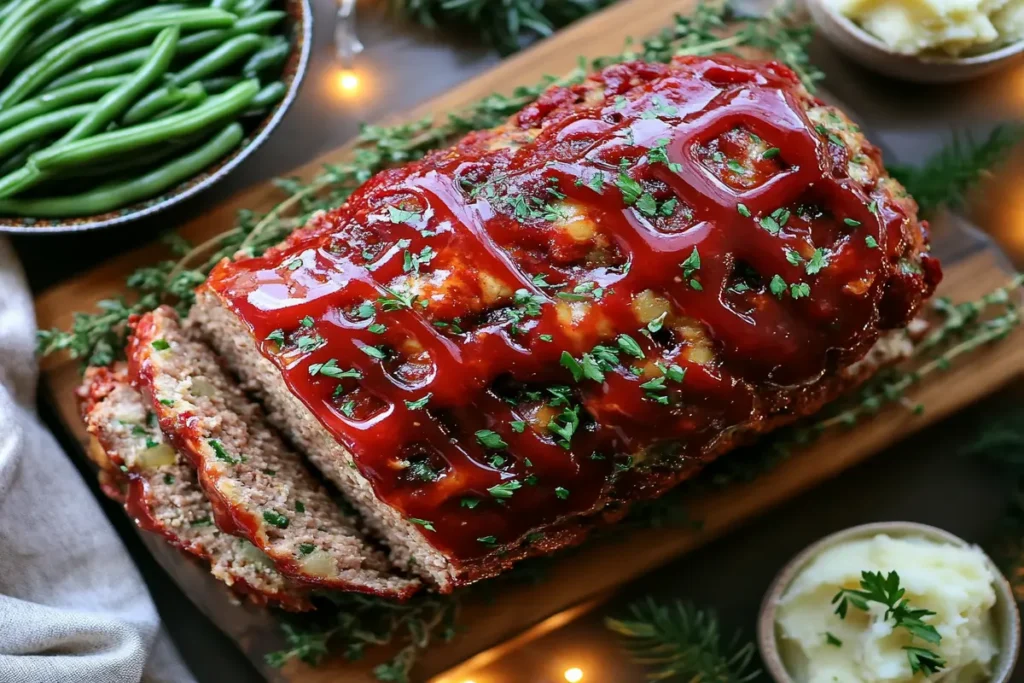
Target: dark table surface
column 926, row 479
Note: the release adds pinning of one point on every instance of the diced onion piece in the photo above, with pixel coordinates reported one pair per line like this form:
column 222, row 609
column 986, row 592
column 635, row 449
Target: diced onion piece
column 255, row 555
column 202, row 387
column 157, row 456
column 649, row 306
column 319, row 563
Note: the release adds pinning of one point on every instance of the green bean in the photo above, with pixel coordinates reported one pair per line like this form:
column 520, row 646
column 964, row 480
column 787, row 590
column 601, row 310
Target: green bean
column 102, row 38
column 271, row 56
column 169, row 98
column 125, row 140
column 222, row 57
column 267, row 97
column 57, row 99
column 127, row 62
column 245, row 8
column 116, row 195
column 218, row 85
column 41, row 126
column 18, row 27
column 64, row 28
column 115, row 102
column 19, row 159
column 226, row 5
column 157, row 9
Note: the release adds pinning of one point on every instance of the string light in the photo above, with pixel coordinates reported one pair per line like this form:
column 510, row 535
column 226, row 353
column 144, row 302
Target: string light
column 574, row 675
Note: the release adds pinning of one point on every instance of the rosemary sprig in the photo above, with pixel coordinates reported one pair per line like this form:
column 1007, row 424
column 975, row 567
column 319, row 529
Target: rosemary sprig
column 945, row 178
column 681, row 642
column 506, row 24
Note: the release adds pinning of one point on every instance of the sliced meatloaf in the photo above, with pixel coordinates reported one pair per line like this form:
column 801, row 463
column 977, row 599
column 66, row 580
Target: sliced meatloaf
column 259, row 488
column 494, row 347
column 159, row 490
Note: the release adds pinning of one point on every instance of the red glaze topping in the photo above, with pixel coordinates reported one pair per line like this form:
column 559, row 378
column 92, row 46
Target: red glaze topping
column 632, row 267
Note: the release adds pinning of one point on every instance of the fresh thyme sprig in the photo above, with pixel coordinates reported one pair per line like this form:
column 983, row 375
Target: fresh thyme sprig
column 886, row 591
column 681, row 642
column 945, row 178
column 506, row 24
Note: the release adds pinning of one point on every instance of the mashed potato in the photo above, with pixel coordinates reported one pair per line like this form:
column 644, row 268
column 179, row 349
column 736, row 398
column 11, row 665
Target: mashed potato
column 953, row 27
column 954, row 582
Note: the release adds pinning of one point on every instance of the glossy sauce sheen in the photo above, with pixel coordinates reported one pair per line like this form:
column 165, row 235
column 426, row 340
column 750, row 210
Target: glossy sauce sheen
column 494, row 217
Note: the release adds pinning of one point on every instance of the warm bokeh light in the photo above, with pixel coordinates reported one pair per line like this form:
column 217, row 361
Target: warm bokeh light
column 348, row 81
column 574, row 675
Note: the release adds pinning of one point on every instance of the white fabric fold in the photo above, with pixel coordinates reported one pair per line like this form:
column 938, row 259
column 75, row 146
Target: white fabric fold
column 73, row 607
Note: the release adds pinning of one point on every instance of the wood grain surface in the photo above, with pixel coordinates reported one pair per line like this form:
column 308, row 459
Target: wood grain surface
column 598, row 567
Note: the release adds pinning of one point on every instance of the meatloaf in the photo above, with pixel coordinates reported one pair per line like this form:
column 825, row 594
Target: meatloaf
column 493, row 348
column 159, row 490
column 259, row 488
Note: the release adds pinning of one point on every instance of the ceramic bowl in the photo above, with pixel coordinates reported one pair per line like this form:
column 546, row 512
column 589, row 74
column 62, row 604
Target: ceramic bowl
column 299, row 24
column 862, row 47
column 1007, row 616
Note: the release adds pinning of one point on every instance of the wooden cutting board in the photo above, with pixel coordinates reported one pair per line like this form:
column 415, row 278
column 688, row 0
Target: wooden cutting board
column 972, row 268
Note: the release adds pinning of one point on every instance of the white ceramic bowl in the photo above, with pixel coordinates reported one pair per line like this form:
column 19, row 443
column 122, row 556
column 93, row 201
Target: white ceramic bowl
column 862, row 47
column 1007, row 616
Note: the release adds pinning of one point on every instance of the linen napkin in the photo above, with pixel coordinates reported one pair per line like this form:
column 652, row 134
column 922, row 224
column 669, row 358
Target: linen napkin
column 73, row 607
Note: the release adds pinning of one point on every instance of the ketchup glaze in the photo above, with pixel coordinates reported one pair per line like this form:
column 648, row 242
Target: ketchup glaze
column 513, row 331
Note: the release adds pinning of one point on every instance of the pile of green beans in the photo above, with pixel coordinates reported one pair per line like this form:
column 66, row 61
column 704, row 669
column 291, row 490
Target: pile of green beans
column 105, row 103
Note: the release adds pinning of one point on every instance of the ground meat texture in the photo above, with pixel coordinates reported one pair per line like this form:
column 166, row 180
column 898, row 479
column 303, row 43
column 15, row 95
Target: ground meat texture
column 492, row 348
column 139, row 468
column 259, row 488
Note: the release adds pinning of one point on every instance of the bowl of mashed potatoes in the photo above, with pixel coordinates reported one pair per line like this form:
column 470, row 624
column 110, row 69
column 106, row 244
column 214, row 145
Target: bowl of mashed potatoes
column 897, row 602
column 927, row 41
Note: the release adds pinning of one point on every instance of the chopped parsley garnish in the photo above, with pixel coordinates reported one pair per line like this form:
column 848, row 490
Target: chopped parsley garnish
column 561, row 493
column 412, row 262
column 348, row 408
column 565, row 425
column 871, row 242
column 817, row 262
column 295, row 264
column 770, row 224
column 588, row 367
column 654, row 388
column 794, row 257
column 657, row 323
column 307, row 321
column 168, row 479
column 377, row 328
column 647, row 205
column 488, row 540
column 736, row 167
column 505, row 489
column 629, row 346
column 799, row 290
column 873, row 207
column 366, row 310
column 469, row 503
column 518, row 426
column 771, row 153
column 307, row 344
column 221, row 452
column 490, row 439
column 331, row 369
column 777, row 286
column 429, row 526
column 497, row 460
column 832, row 640
column 630, row 189
column 690, row 266
column 596, row 183
column 374, row 352
column 421, row 469
column 202, row 521
column 160, row 344
column 852, row 222
column 166, row 401
column 886, row 590
column 402, row 216
column 277, row 336
column 398, row 300
column 300, row 506
column 306, row 548
column 674, row 373
column 743, row 210
column 275, row 519
column 420, row 403
column 546, row 338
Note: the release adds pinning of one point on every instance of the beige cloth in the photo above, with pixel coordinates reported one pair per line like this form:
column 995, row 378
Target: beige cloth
column 73, row 607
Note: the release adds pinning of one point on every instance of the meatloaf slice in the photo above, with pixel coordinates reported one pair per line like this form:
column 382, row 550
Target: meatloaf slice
column 159, row 490
column 260, row 489
column 492, row 347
